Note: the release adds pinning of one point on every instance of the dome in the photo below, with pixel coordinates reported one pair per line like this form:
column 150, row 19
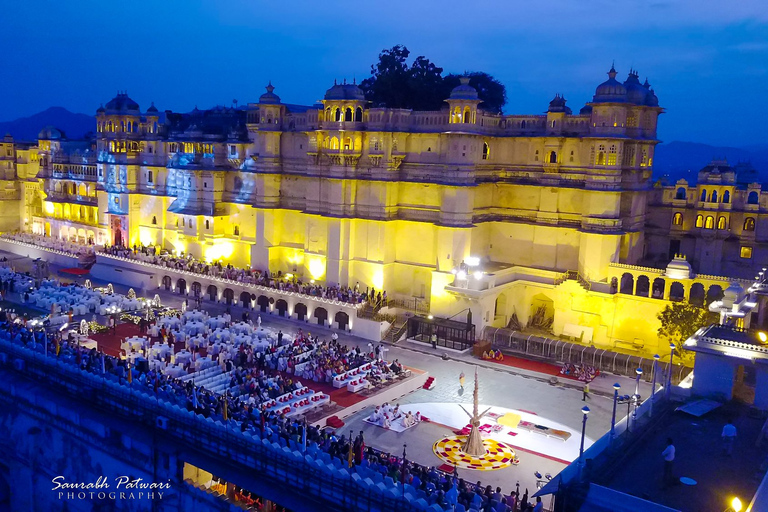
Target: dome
column 586, row 110
column 345, row 91
column 463, row 91
column 100, row 110
column 610, row 91
column 636, row 92
column 269, row 97
column 122, row 104
column 558, row 105
column 651, row 100
column 50, row 133
column 152, row 109
column 679, row 268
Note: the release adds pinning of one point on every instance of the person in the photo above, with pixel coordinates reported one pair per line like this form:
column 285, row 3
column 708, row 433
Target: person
column 461, row 380
column 586, row 392
column 669, row 459
column 258, row 322
column 539, row 505
column 434, row 340
column 729, row 436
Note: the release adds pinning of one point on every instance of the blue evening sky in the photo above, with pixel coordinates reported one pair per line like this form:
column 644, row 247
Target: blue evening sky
column 706, row 59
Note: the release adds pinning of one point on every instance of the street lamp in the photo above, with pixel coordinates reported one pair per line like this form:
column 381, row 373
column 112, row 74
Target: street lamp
column 736, row 505
column 653, row 385
column 585, row 412
column 669, row 376
column 616, row 388
column 639, row 373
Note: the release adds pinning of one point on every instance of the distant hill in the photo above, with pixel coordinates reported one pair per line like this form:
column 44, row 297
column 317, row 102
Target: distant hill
column 73, row 125
column 685, row 159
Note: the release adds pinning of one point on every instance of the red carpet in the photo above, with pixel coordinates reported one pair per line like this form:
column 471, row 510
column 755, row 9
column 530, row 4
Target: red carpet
column 110, row 343
column 534, row 366
column 75, row 271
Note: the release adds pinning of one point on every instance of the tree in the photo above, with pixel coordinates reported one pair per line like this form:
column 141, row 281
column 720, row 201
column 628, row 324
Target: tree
column 679, row 321
column 421, row 86
column 491, row 91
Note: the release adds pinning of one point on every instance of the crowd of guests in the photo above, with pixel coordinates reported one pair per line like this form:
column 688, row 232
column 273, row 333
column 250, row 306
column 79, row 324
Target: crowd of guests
column 277, row 280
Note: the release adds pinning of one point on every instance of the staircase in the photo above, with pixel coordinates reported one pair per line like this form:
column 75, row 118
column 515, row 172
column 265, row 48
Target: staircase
column 396, row 330
column 575, row 276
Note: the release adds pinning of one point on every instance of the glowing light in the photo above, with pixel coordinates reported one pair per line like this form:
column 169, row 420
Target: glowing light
column 221, row 249
column 472, row 261
column 378, row 279
column 736, row 504
column 763, row 337
column 453, row 271
column 289, row 276
column 431, row 317
column 316, row 268
column 478, row 275
column 461, row 275
column 48, row 208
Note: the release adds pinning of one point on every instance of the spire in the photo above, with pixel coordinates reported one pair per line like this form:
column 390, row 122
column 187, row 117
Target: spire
column 270, row 87
column 612, row 73
column 334, row 82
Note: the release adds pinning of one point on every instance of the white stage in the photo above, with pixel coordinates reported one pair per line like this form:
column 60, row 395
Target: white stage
column 452, row 416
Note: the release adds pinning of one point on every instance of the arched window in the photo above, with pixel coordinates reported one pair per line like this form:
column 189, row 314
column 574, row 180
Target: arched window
column 553, row 157
column 749, row 224
column 207, row 224
column 721, row 223
column 710, row 222
column 680, row 193
column 753, row 198
column 237, row 230
column 704, row 196
column 677, row 219
column 522, row 123
column 348, row 114
column 154, row 220
column 600, row 158
column 337, row 114
column 536, row 156
column 466, row 114
column 699, row 221
column 334, row 143
column 726, row 197
column 714, row 196
column 359, row 114
column 486, row 151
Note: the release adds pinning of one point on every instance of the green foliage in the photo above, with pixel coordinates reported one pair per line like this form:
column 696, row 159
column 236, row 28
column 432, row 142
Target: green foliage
column 421, row 86
column 679, row 321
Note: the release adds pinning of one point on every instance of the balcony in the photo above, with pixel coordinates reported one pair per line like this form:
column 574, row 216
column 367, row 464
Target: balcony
column 63, row 197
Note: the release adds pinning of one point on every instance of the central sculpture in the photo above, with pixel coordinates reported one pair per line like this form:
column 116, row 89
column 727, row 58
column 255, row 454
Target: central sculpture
column 474, row 445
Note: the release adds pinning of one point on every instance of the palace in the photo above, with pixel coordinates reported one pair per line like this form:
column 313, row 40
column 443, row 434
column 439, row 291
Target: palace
column 548, row 222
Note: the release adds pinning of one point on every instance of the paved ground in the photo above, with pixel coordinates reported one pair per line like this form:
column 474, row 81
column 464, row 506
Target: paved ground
column 500, row 385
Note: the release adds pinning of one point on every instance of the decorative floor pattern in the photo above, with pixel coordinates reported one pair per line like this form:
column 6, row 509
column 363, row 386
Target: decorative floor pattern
column 498, row 456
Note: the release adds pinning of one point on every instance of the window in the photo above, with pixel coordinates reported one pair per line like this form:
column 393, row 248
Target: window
column 749, row 224
column 699, row 221
column 571, row 156
column 183, row 222
column 358, row 114
column 536, row 156
column 709, row 223
column 726, row 197
column 746, row 253
column 753, row 198
column 721, row 223
column 207, row 224
column 714, row 196
column 680, row 193
column 232, row 150
column 486, row 151
column 237, row 230
column 704, row 196
column 150, row 176
column 677, row 219
column 154, row 221
column 612, row 155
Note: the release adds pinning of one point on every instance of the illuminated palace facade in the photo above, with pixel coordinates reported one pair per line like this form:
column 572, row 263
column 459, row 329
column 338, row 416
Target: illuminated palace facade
column 537, row 221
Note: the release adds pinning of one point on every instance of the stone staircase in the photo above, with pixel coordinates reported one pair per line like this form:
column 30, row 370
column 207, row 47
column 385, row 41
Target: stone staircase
column 396, row 330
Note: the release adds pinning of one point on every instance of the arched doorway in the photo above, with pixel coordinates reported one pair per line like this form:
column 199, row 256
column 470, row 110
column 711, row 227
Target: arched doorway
column 197, row 289
column 245, row 299
column 229, row 296
column 627, row 284
column 697, row 295
column 212, row 292
column 321, row 315
column 118, row 237
column 300, row 310
column 643, row 286
column 715, row 292
column 342, row 320
column 181, row 286
column 263, row 303
column 282, row 307
column 658, row 288
column 676, row 292
column 167, row 282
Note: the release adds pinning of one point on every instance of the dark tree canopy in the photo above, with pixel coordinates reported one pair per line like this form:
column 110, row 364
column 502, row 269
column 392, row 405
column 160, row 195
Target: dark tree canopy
column 680, row 320
column 421, row 86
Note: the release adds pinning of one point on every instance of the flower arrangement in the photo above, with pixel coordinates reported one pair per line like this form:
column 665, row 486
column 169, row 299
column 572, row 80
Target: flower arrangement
column 96, row 328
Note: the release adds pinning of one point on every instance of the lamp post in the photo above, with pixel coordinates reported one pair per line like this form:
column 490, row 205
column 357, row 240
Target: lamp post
column 639, row 373
column 585, row 412
column 616, row 388
column 668, row 389
column 653, row 385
